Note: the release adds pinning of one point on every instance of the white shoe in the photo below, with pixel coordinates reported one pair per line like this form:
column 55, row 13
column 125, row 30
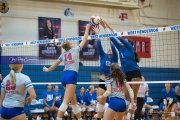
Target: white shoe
column 89, row 46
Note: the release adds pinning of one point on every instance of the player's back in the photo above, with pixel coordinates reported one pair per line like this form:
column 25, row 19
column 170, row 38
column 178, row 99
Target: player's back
column 71, row 59
column 15, row 95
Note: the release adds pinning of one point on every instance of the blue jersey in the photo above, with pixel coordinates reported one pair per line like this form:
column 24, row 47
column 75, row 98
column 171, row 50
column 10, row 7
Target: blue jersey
column 49, row 96
column 145, row 99
column 80, row 99
column 170, row 94
column 126, row 54
column 105, row 62
column 89, row 98
column 58, row 97
column 94, row 95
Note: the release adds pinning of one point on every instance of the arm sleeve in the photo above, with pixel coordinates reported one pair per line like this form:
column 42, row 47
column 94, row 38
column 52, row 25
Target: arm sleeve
column 60, row 57
column 100, row 48
column 108, row 82
column 28, row 83
column 2, row 85
column 115, row 54
column 126, row 44
column 116, row 43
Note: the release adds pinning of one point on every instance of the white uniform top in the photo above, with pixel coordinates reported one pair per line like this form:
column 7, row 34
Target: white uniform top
column 117, row 89
column 177, row 89
column 142, row 90
column 15, row 95
column 71, row 59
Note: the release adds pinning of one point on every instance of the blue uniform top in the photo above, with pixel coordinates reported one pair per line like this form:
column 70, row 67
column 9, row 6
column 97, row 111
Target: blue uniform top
column 145, row 99
column 89, row 98
column 80, row 99
column 126, row 55
column 58, row 97
column 50, row 96
column 105, row 62
column 94, row 95
column 170, row 94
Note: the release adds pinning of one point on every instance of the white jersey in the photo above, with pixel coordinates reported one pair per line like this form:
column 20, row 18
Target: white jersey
column 15, row 95
column 117, row 89
column 142, row 90
column 71, row 59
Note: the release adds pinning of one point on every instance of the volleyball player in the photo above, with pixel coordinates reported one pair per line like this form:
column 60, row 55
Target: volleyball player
column 140, row 99
column 169, row 100
column 129, row 60
column 115, row 84
column 13, row 92
column 105, row 61
column 69, row 79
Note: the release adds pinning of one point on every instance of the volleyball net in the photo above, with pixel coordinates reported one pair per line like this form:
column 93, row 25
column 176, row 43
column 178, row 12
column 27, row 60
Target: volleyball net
column 158, row 49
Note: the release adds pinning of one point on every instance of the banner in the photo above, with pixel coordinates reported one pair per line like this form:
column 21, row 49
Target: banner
column 49, row 28
column 142, row 46
column 89, row 51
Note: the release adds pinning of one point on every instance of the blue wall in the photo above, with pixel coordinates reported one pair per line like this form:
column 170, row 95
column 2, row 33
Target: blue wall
column 151, row 74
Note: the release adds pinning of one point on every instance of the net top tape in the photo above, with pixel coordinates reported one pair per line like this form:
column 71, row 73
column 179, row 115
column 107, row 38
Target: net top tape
column 98, row 36
column 96, row 83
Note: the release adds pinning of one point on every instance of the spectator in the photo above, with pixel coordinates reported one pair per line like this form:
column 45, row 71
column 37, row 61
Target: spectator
column 140, row 98
column 81, row 98
column 90, row 103
column 58, row 96
column 177, row 92
column 169, row 100
column 49, row 102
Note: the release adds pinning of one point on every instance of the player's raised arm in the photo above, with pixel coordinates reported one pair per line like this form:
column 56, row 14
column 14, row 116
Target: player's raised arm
column 85, row 37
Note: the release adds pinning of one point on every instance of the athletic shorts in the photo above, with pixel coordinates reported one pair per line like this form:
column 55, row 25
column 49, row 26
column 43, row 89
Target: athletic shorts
column 102, row 85
column 117, row 104
column 9, row 113
column 69, row 77
column 174, row 102
column 133, row 74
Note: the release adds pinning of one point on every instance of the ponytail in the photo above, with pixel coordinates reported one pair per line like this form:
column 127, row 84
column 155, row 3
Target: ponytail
column 137, row 58
column 89, row 88
column 12, row 77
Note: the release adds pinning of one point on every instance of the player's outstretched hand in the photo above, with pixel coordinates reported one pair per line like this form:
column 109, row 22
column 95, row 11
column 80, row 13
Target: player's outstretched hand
column 96, row 30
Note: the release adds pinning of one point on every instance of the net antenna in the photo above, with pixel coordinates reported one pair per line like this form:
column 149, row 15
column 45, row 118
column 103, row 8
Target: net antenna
column 4, row 6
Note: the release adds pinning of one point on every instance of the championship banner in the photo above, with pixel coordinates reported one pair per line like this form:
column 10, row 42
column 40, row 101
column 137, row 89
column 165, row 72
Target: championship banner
column 49, row 28
column 89, row 51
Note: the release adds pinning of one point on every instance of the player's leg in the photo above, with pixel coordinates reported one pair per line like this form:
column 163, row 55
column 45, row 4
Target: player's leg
column 173, row 111
column 75, row 107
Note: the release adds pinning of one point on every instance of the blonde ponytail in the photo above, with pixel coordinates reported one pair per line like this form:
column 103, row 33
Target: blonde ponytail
column 12, row 77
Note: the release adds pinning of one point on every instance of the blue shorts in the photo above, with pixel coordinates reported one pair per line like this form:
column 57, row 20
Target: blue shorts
column 117, row 104
column 9, row 113
column 69, row 77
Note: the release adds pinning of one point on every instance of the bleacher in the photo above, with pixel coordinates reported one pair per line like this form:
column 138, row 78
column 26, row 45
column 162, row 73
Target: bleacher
column 85, row 73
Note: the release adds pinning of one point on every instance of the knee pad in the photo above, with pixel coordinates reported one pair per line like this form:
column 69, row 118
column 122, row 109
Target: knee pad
column 50, row 114
column 63, row 107
column 75, row 109
column 83, row 109
column 173, row 114
column 100, row 108
column 143, row 109
column 151, row 110
column 106, row 105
